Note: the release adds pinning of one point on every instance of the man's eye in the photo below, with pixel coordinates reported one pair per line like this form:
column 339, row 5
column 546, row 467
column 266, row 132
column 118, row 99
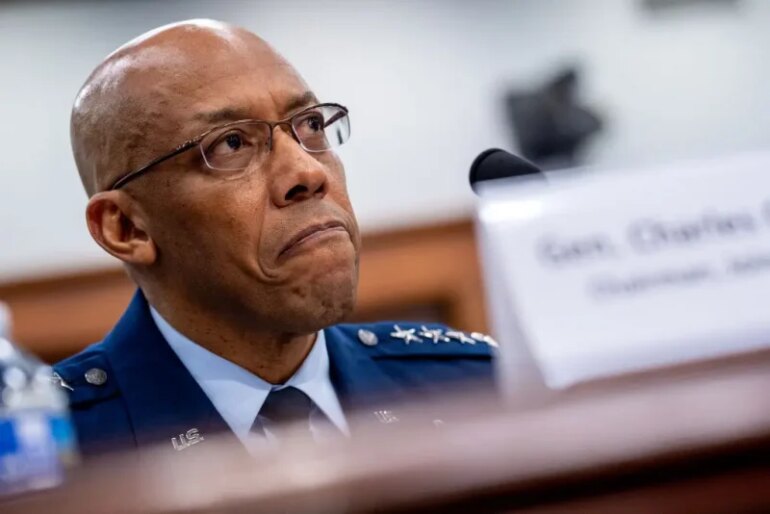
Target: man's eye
column 233, row 141
column 228, row 144
column 315, row 123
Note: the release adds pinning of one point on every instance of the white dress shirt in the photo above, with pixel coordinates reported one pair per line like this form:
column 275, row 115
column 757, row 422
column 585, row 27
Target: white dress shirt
column 238, row 394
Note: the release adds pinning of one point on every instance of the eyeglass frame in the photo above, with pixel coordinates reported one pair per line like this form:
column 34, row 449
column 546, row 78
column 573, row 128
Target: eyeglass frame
column 191, row 143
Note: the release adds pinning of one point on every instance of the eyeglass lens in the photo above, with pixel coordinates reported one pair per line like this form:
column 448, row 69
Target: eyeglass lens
column 237, row 145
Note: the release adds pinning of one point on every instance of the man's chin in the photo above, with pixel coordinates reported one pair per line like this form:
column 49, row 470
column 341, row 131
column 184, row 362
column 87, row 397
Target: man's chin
column 318, row 300
column 317, row 318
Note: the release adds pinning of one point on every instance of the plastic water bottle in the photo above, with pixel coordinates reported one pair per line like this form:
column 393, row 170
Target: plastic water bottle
column 5, row 321
column 37, row 441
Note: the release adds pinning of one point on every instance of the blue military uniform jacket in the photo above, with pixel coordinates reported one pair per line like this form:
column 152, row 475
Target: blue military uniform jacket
column 131, row 390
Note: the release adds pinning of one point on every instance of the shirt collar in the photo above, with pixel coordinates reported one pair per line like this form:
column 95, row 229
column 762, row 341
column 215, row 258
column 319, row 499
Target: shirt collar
column 238, row 394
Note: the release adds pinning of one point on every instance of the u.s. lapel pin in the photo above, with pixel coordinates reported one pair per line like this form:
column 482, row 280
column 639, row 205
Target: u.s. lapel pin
column 385, row 417
column 184, row 441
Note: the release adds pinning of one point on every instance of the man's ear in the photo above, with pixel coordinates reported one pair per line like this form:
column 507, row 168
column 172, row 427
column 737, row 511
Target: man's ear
column 117, row 224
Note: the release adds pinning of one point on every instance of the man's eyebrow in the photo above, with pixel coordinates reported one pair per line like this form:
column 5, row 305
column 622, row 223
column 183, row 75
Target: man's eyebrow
column 306, row 99
column 227, row 114
column 223, row 115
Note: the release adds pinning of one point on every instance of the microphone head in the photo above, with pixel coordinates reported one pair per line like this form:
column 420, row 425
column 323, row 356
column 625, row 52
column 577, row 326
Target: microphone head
column 495, row 163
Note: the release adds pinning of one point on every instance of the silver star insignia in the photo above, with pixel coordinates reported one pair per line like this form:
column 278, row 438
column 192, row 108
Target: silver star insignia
column 407, row 335
column 483, row 338
column 460, row 336
column 434, row 334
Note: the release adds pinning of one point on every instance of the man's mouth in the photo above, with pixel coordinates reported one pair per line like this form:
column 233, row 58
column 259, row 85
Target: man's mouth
column 311, row 233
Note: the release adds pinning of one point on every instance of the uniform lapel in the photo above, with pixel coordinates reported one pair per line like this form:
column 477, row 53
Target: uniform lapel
column 364, row 390
column 164, row 402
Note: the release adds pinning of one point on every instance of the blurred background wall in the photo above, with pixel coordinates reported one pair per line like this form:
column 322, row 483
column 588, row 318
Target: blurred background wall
column 425, row 81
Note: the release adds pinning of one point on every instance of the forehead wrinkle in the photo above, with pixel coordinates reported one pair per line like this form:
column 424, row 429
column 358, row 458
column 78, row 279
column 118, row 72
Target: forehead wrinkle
column 223, row 104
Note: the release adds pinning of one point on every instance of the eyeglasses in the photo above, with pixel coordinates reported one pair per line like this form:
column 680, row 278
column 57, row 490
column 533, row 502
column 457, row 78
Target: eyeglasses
column 240, row 144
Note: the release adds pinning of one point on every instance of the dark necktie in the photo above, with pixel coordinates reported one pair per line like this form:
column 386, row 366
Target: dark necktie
column 287, row 408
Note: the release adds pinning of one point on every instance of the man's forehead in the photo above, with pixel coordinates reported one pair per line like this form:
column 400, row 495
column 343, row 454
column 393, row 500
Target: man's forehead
column 256, row 93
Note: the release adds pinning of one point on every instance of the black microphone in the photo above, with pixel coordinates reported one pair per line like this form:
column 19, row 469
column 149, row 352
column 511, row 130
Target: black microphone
column 495, row 163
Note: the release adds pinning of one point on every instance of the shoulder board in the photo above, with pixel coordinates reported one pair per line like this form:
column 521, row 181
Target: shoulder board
column 86, row 377
column 408, row 338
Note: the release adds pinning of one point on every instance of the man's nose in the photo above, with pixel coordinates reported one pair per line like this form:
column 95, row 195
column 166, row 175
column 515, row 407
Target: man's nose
column 296, row 175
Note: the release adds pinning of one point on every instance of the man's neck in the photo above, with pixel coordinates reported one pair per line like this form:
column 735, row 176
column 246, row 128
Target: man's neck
column 273, row 357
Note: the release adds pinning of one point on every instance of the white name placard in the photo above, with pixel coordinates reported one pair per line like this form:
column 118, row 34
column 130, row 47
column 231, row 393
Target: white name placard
column 612, row 272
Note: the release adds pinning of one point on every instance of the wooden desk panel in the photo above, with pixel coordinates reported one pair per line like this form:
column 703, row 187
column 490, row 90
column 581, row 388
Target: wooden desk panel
column 664, row 444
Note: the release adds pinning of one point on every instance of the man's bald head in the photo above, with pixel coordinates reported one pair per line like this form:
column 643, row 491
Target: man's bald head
column 128, row 105
column 204, row 242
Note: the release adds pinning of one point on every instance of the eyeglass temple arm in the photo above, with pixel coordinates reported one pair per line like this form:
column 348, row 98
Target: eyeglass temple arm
column 144, row 169
column 336, row 117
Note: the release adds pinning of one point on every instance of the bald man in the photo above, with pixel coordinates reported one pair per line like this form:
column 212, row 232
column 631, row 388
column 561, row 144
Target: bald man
column 211, row 174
